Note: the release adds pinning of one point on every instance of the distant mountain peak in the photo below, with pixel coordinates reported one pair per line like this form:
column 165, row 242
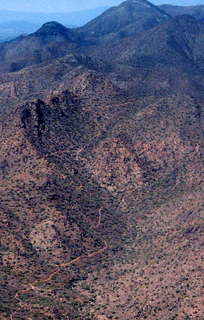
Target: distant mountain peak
column 129, row 18
column 52, row 28
column 138, row 2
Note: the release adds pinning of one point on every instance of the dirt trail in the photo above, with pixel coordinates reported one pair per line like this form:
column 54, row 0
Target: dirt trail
column 32, row 286
column 63, row 265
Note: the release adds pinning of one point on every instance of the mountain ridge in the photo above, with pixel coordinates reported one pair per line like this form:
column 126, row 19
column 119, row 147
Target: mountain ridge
column 123, row 16
column 73, row 38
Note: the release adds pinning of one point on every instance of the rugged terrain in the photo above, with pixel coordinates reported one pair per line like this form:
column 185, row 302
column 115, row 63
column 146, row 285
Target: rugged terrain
column 101, row 170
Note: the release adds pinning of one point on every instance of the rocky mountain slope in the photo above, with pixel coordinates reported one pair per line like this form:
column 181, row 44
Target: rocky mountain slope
column 95, row 181
column 101, row 177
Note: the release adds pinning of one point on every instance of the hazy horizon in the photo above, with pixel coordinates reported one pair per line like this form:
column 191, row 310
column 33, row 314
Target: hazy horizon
column 52, row 6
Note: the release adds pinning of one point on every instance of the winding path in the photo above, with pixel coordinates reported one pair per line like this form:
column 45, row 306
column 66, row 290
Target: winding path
column 32, row 286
